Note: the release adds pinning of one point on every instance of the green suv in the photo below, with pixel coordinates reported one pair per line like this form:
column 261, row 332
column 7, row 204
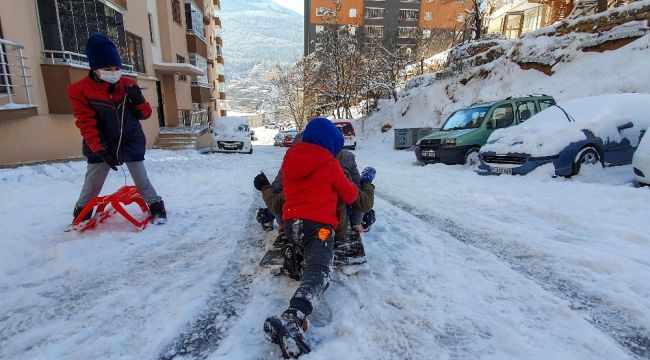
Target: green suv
column 466, row 130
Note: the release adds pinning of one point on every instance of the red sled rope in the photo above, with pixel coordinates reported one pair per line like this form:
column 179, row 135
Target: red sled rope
column 125, row 196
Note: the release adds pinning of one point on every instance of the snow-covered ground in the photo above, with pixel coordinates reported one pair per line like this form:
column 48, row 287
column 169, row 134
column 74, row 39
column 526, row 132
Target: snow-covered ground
column 460, row 266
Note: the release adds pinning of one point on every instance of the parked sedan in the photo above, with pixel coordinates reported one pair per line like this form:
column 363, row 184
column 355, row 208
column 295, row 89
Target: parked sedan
column 601, row 130
column 287, row 140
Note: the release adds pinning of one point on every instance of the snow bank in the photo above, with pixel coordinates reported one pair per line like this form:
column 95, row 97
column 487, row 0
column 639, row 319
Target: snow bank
column 548, row 132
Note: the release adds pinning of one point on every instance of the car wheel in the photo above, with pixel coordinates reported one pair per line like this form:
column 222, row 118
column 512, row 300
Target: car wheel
column 471, row 157
column 588, row 155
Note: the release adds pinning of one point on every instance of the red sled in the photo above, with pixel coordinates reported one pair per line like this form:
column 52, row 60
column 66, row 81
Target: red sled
column 125, row 196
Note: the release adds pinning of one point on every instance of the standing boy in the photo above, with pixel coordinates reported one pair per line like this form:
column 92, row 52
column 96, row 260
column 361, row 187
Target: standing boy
column 313, row 183
column 108, row 108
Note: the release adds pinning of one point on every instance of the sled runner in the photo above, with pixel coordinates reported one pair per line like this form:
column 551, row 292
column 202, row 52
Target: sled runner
column 125, row 196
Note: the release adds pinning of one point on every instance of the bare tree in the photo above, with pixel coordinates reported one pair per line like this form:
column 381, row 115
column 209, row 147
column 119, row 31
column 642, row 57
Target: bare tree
column 289, row 94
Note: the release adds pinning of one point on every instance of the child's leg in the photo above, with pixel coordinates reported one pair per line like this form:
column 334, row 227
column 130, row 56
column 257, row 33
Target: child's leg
column 317, row 243
column 93, row 182
column 141, row 180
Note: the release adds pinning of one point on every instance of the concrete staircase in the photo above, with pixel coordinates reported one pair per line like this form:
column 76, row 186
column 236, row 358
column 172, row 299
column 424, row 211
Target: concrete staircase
column 175, row 141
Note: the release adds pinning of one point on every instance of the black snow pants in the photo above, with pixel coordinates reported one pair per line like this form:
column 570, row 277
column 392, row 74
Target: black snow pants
column 317, row 244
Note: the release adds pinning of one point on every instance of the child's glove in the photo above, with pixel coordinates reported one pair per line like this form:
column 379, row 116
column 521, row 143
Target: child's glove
column 109, row 159
column 260, row 181
column 367, row 175
column 135, row 94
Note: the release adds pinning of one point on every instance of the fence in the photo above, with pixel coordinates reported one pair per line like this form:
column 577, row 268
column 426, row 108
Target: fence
column 12, row 68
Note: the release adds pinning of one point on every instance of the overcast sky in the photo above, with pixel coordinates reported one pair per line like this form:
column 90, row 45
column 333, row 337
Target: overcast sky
column 295, row 5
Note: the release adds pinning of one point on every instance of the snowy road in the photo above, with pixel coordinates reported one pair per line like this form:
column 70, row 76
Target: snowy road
column 461, row 267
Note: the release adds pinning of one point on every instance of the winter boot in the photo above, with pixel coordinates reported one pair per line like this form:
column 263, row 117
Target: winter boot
column 158, row 213
column 288, row 331
column 77, row 210
column 265, row 218
column 281, row 240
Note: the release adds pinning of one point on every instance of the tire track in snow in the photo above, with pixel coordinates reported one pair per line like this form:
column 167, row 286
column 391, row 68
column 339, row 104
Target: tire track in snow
column 611, row 321
column 228, row 299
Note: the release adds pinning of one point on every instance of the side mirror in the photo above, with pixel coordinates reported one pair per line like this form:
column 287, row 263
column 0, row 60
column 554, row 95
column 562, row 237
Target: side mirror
column 627, row 125
column 489, row 125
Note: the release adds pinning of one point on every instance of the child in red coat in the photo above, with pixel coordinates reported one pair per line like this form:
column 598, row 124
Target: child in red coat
column 313, row 183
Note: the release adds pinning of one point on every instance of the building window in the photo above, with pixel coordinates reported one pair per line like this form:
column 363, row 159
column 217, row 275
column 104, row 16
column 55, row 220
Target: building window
column 322, row 11
column 181, row 60
column 176, row 11
column 353, row 30
column 428, row 16
column 407, row 32
column 353, row 13
column 374, row 13
column 67, row 24
column 201, row 63
column 151, row 34
column 136, row 54
column 426, row 34
column 373, row 30
column 320, row 29
column 409, row 15
column 194, row 20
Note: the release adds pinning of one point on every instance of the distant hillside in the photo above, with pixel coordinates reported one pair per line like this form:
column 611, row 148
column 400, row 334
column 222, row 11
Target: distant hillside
column 259, row 32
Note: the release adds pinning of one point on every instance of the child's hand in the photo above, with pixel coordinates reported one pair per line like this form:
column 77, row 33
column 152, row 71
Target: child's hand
column 135, row 94
column 368, row 175
column 260, row 181
column 109, row 159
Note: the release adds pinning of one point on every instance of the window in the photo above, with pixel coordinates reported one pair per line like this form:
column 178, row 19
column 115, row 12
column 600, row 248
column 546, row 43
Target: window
column 374, row 13
column 426, row 33
column 322, row 11
column 353, row 30
column 407, row 32
column 544, row 104
column 320, row 29
column 176, row 11
column 67, row 24
column 194, row 20
column 153, row 37
column 428, row 16
column 526, row 109
column 409, row 15
column 373, row 30
column 353, row 13
column 136, row 54
column 502, row 116
column 181, row 60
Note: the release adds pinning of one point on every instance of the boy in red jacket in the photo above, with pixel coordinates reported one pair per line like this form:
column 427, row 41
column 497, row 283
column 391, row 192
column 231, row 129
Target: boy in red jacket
column 107, row 109
column 313, row 182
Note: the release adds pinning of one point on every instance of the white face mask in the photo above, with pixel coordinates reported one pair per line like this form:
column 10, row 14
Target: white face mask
column 110, row 76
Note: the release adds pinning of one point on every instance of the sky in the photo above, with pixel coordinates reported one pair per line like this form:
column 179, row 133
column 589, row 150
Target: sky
column 295, row 5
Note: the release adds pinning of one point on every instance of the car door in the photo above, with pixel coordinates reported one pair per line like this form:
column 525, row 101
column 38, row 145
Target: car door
column 620, row 151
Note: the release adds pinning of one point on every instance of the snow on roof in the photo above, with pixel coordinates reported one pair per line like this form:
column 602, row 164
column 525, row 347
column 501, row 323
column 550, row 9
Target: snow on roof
column 550, row 131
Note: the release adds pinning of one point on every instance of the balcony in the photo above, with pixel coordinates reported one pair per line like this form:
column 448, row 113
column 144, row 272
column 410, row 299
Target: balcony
column 201, row 93
column 196, row 44
column 222, row 96
column 218, row 41
column 221, row 78
column 223, row 113
column 217, row 21
column 216, row 4
column 15, row 98
column 220, row 59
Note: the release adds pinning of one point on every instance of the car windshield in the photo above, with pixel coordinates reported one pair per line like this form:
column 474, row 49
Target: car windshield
column 345, row 128
column 466, row 119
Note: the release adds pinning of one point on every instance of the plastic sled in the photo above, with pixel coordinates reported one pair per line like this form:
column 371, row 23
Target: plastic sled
column 125, row 196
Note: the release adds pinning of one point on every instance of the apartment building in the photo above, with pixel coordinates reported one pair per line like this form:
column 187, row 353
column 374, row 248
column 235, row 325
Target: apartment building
column 171, row 47
column 402, row 20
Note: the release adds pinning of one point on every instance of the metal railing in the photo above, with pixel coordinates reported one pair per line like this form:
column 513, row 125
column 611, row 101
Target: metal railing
column 12, row 67
column 74, row 58
column 194, row 120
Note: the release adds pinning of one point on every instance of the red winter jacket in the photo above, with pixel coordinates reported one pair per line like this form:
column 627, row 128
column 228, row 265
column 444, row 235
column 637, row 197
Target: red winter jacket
column 313, row 182
column 98, row 114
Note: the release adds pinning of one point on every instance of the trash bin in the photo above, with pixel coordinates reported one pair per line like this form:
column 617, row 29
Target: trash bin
column 403, row 138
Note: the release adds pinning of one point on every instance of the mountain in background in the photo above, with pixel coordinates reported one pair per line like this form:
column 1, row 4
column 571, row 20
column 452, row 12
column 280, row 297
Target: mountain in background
column 259, row 33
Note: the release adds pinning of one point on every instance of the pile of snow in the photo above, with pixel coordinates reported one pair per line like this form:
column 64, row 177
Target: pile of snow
column 550, row 131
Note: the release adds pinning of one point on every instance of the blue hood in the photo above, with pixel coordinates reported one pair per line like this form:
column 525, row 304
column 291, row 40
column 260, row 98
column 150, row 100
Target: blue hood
column 324, row 133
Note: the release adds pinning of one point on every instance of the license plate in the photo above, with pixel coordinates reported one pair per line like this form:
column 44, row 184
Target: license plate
column 499, row 170
column 429, row 153
column 230, row 146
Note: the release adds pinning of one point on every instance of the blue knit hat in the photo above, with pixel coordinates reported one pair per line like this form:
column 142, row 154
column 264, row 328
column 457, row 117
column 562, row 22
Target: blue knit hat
column 101, row 52
column 324, row 133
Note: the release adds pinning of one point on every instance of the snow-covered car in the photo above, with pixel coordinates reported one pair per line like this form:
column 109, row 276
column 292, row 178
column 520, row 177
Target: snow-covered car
column 348, row 134
column 641, row 161
column 232, row 134
column 602, row 130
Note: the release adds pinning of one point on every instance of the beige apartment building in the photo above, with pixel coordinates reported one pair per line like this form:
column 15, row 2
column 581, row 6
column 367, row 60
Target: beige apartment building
column 173, row 48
